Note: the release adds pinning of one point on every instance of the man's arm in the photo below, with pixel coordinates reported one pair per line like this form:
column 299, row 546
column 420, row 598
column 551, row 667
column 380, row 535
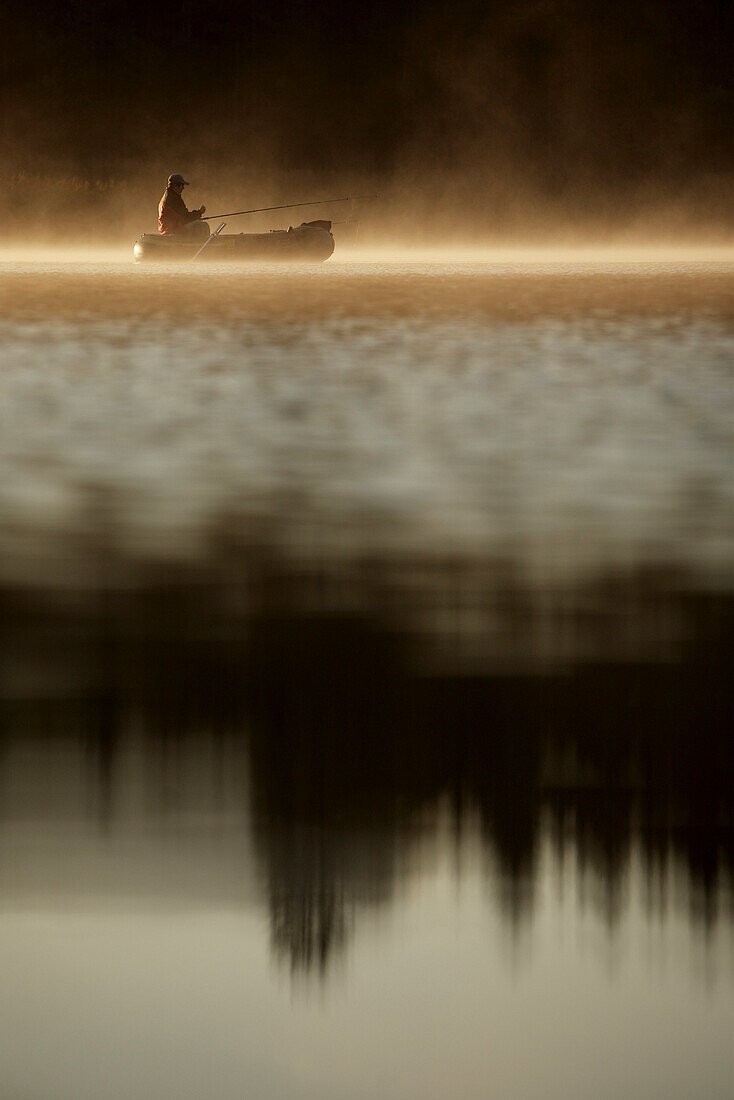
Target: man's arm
column 179, row 207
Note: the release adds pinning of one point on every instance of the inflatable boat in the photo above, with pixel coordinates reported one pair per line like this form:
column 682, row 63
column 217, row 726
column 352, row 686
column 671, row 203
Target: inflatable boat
column 310, row 242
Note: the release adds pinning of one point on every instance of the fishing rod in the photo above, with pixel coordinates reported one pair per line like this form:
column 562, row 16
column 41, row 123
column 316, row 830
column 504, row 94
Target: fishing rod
column 289, row 206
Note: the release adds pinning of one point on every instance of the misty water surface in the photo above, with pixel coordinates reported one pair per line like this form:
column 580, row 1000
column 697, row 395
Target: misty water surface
column 570, row 419
column 365, row 665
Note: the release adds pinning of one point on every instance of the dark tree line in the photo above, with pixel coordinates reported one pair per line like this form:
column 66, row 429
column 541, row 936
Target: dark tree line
column 573, row 95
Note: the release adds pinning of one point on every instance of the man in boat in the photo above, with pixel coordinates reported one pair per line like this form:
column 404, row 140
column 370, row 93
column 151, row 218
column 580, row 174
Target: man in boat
column 173, row 216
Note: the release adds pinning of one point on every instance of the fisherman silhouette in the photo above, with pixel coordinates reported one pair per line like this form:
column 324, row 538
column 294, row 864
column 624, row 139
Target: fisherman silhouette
column 173, row 215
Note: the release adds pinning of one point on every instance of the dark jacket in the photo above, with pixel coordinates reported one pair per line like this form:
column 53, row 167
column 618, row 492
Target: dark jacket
column 172, row 213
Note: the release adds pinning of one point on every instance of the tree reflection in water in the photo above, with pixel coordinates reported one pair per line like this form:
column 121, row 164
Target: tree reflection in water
column 347, row 746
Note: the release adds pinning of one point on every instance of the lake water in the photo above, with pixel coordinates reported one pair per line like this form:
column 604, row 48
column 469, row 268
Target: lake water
column 365, row 681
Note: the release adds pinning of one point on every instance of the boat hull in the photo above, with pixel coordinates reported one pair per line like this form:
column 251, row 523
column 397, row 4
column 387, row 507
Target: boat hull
column 308, row 243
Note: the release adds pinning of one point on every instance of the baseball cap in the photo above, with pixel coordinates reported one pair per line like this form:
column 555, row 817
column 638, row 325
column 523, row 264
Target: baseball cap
column 178, row 178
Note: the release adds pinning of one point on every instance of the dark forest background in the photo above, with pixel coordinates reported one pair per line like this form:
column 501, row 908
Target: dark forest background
column 506, row 113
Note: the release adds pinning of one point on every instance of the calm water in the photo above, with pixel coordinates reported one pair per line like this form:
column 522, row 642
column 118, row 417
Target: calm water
column 365, row 682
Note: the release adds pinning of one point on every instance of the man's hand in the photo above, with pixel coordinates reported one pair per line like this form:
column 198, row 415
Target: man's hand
column 201, row 211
